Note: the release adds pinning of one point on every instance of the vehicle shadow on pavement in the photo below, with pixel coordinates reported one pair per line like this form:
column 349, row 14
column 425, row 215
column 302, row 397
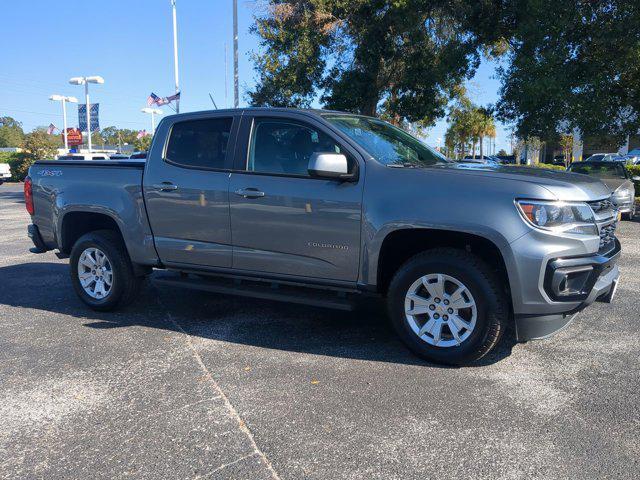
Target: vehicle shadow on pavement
column 17, row 197
column 363, row 335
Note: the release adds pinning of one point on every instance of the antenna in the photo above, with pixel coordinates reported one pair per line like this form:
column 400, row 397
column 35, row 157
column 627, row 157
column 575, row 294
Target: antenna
column 213, row 101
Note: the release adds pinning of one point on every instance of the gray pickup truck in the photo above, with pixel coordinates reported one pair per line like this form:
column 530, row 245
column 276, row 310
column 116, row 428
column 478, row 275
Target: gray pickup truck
column 331, row 209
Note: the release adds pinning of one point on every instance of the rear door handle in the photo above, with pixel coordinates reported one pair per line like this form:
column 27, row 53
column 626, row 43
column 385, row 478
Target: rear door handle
column 249, row 193
column 165, row 186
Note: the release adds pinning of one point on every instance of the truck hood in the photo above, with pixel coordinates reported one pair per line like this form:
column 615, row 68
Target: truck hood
column 563, row 185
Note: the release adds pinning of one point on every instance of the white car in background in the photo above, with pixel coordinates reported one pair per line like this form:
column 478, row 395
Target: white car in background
column 5, row 172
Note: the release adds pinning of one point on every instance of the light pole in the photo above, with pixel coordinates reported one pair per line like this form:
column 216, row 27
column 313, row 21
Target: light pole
column 86, row 81
column 175, row 52
column 153, row 112
column 63, row 100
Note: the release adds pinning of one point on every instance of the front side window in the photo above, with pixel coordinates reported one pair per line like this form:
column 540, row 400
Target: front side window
column 200, row 143
column 384, row 142
column 283, row 147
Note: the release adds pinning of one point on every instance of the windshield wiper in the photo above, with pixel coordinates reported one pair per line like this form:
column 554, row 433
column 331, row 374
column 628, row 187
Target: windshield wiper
column 403, row 165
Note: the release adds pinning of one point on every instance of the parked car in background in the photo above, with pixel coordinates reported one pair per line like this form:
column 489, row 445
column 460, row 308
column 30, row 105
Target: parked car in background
column 118, row 156
column 5, row 172
column 84, row 156
column 617, row 178
column 631, row 159
column 483, row 161
column 138, row 156
column 603, row 157
column 332, row 209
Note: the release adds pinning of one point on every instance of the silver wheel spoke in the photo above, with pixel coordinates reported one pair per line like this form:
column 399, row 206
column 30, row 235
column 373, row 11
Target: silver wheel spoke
column 457, row 300
column 435, row 289
column 427, row 327
column 455, row 331
column 437, row 332
column 87, row 261
column 459, row 322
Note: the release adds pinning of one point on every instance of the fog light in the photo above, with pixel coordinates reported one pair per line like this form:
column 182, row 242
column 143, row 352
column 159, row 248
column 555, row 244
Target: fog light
column 570, row 281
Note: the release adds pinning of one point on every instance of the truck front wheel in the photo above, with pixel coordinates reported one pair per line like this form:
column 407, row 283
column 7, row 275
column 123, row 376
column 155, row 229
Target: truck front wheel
column 448, row 306
column 101, row 271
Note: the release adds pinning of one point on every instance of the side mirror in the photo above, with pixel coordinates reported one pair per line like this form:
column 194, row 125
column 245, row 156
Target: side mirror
column 329, row 165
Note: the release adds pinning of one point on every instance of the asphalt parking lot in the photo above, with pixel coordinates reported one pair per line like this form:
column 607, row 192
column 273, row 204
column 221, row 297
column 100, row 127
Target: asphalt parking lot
column 185, row 385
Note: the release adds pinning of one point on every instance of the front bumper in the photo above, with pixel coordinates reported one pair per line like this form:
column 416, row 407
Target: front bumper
column 575, row 282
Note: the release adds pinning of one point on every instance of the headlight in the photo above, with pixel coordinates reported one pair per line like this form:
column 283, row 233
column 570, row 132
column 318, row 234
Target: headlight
column 622, row 193
column 562, row 217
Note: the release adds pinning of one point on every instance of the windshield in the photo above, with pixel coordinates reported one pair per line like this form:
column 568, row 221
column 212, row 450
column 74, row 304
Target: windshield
column 595, row 158
column 386, row 143
column 599, row 169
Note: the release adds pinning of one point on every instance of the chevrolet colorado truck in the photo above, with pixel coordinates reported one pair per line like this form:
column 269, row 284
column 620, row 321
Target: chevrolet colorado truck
column 331, row 209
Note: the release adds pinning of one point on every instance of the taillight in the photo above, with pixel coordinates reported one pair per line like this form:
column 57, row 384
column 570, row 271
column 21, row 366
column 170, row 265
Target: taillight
column 28, row 195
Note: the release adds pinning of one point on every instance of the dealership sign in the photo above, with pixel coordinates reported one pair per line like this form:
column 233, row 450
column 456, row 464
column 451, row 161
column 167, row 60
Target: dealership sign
column 74, row 136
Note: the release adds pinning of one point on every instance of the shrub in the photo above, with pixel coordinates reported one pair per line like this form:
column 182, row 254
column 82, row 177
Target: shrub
column 546, row 166
column 634, row 171
column 14, row 159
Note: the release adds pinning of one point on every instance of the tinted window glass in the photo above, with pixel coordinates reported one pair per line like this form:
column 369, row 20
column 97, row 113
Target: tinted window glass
column 200, row 143
column 285, row 147
column 386, row 143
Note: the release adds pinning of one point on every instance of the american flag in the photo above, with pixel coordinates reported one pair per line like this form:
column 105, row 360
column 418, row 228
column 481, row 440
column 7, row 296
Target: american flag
column 153, row 99
column 52, row 128
column 141, row 133
column 171, row 98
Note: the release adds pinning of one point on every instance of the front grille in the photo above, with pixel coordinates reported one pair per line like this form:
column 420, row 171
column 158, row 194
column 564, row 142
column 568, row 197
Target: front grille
column 607, row 237
column 602, row 205
column 606, row 213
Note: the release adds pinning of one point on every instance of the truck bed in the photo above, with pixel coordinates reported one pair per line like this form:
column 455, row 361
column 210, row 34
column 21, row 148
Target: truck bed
column 74, row 189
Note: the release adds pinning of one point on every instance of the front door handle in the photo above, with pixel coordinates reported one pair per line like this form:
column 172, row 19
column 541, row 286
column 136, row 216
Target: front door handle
column 249, row 193
column 165, row 186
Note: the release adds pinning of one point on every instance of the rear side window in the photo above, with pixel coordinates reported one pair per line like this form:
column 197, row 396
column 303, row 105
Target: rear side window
column 200, row 143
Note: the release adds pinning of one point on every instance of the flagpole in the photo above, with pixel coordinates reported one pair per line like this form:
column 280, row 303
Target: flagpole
column 235, row 54
column 175, row 52
column 226, row 102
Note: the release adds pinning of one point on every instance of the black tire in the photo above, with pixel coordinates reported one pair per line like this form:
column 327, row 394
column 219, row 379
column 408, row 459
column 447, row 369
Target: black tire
column 488, row 292
column 125, row 286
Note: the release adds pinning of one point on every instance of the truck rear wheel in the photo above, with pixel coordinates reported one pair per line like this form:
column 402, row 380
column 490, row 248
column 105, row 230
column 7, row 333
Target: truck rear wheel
column 447, row 306
column 101, row 271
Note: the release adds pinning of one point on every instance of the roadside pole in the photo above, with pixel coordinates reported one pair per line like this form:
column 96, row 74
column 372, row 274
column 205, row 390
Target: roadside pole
column 175, row 52
column 86, row 101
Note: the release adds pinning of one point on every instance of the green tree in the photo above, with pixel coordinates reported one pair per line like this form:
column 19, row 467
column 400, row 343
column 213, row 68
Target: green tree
column 404, row 59
column 485, row 126
column 142, row 144
column 11, row 133
column 502, row 152
column 38, row 145
column 572, row 64
column 566, row 144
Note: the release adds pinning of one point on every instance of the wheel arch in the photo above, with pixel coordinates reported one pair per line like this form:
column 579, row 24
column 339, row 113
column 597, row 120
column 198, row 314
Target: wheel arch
column 74, row 224
column 401, row 244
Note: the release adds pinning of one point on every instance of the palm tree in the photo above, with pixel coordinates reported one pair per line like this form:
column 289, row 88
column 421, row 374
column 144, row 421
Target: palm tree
column 485, row 126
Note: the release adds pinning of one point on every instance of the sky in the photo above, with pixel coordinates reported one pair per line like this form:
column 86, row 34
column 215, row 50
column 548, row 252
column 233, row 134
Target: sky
column 130, row 44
